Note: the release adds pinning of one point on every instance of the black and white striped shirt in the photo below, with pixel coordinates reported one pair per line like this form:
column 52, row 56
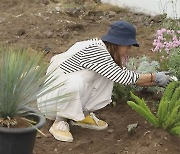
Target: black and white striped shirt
column 94, row 56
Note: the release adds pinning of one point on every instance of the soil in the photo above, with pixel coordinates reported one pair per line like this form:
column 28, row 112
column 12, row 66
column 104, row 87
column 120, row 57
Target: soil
column 51, row 27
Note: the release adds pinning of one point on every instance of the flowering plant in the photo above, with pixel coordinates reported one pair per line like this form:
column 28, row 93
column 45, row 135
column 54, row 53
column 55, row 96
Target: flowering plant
column 166, row 40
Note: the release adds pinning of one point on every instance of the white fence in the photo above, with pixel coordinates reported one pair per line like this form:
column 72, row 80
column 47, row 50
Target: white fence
column 151, row 7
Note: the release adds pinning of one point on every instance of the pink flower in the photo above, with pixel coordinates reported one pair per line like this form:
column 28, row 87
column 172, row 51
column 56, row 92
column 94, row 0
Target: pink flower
column 159, row 32
column 160, row 37
column 178, row 31
column 166, row 40
column 163, row 30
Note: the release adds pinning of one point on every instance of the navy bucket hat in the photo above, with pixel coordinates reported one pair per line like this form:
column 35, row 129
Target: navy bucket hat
column 121, row 33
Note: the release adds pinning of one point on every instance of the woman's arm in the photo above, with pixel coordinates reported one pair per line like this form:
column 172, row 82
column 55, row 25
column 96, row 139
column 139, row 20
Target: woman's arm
column 99, row 60
column 146, row 80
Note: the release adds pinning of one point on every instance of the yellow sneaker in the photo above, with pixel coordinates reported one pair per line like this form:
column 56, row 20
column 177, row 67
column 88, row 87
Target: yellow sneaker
column 60, row 131
column 91, row 122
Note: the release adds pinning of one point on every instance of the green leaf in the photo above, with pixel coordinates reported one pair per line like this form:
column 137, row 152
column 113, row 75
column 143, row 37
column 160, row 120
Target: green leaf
column 175, row 130
column 23, row 80
column 140, row 102
column 171, row 119
column 162, row 111
column 147, row 115
column 177, row 124
column 174, row 100
column 169, row 91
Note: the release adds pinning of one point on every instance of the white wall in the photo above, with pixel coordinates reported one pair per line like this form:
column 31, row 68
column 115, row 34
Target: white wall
column 151, row 7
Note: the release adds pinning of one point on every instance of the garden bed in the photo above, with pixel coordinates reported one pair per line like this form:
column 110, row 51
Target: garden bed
column 115, row 140
column 51, row 28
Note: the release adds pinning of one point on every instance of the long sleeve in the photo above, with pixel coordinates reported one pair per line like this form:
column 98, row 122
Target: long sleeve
column 98, row 59
column 93, row 55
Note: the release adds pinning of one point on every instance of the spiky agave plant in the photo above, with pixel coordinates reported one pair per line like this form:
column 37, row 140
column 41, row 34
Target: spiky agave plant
column 168, row 114
column 23, row 80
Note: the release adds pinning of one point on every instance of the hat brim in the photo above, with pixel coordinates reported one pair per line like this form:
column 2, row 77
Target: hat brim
column 120, row 41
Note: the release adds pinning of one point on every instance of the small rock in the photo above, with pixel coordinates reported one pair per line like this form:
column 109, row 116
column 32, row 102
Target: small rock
column 132, row 127
column 158, row 18
column 111, row 14
column 48, row 33
column 65, row 35
column 120, row 140
column 20, row 32
column 165, row 138
column 160, row 143
column 46, row 2
column 74, row 11
column 58, row 9
column 110, row 131
column 70, row 149
column 46, row 50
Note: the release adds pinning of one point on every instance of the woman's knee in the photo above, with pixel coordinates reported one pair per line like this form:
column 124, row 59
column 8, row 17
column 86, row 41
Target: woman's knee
column 76, row 83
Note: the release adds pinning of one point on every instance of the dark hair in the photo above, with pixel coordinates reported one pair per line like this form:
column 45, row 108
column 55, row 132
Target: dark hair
column 112, row 48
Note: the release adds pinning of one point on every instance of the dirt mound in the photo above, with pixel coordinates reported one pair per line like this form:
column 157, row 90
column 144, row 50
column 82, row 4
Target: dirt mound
column 54, row 25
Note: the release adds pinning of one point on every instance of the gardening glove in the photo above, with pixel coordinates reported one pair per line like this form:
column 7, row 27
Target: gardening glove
column 163, row 78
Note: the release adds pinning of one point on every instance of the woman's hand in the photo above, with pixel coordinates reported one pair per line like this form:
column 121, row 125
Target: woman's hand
column 163, row 79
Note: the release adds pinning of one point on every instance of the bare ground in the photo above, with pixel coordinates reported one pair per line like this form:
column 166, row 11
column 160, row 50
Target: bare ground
column 50, row 27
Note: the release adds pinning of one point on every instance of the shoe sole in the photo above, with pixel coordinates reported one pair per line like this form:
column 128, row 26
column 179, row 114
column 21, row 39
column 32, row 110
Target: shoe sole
column 64, row 139
column 89, row 126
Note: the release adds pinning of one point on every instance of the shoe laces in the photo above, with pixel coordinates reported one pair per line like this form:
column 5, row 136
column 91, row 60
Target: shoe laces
column 93, row 116
column 62, row 126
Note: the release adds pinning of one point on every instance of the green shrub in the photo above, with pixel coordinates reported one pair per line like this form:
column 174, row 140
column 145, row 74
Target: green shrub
column 168, row 114
column 121, row 92
column 142, row 65
column 139, row 65
column 174, row 63
column 170, row 23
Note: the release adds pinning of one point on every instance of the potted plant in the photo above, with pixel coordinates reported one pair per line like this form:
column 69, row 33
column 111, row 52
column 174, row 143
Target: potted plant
column 23, row 80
